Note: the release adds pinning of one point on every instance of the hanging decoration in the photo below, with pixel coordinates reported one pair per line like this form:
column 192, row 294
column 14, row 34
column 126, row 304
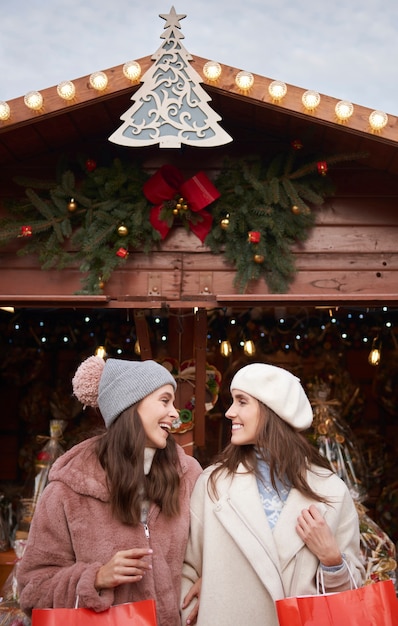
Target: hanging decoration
column 122, row 230
column 72, row 206
column 170, row 108
column 254, row 236
column 106, row 195
column 91, row 165
column 173, row 197
column 322, row 167
column 122, row 253
column 224, row 223
column 377, row 548
column 258, row 196
column 185, row 374
column 336, row 442
column 26, row 231
column 118, row 208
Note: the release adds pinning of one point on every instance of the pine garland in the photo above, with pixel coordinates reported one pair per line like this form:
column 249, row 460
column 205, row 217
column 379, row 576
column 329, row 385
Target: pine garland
column 94, row 216
column 260, row 197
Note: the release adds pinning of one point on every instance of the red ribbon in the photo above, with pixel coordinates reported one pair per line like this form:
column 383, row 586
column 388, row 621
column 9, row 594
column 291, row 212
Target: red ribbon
column 198, row 192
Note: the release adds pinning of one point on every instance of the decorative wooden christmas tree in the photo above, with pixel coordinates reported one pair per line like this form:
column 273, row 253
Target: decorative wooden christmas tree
column 171, row 107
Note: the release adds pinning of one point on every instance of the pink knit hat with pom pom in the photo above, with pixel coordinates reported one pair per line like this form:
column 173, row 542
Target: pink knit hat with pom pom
column 115, row 384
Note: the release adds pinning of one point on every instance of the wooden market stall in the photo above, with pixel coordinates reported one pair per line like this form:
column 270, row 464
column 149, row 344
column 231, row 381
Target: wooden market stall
column 303, row 212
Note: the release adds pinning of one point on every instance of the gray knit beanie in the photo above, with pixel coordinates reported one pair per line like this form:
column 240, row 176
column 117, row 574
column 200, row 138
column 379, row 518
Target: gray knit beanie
column 115, row 384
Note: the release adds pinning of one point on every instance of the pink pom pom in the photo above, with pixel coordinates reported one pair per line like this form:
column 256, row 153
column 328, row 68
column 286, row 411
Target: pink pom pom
column 86, row 380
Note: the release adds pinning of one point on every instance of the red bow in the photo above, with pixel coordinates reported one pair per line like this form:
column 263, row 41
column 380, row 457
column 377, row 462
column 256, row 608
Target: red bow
column 198, row 192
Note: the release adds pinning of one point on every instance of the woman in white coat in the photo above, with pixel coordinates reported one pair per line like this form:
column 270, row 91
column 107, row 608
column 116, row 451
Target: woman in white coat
column 270, row 516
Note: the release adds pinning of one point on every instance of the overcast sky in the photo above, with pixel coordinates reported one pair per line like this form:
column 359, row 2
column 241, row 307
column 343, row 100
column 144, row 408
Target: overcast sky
column 347, row 49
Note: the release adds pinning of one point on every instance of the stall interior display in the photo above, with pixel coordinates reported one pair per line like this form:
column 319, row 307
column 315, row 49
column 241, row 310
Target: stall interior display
column 346, row 358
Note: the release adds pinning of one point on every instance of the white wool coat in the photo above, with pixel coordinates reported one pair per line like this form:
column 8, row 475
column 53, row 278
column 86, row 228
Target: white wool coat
column 245, row 566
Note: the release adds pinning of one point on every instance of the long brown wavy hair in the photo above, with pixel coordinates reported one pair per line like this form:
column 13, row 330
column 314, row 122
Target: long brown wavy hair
column 286, row 450
column 121, row 453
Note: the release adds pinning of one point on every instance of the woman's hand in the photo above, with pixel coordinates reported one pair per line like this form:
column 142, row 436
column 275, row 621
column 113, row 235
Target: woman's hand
column 317, row 536
column 126, row 566
column 194, row 592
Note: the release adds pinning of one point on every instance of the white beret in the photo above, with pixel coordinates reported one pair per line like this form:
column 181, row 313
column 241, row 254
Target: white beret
column 278, row 389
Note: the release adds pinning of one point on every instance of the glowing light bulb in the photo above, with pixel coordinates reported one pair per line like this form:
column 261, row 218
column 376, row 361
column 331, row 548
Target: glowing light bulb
column 244, row 80
column 277, row 90
column 4, row 111
column 99, row 81
column 66, row 90
column 212, row 70
column 344, row 110
column 311, row 100
column 378, row 120
column 132, row 70
column 33, row 100
column 249, row 348
column 225, row 348
column 100, row 351
column 375, row 353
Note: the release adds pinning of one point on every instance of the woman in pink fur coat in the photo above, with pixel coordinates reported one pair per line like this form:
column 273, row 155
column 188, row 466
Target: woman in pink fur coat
column 112, row 524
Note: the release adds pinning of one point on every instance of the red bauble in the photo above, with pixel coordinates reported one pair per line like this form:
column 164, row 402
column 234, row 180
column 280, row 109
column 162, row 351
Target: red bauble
column 254, row 236
column 90, row 165
column 122, row 252
column 322, row 167
column 26, row 231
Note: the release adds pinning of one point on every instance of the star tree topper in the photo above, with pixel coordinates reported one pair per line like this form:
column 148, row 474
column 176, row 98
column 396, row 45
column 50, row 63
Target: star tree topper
column 170, row 108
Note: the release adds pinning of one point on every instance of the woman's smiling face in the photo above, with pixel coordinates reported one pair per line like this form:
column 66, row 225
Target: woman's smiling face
column 157, row 413
column 245, row 415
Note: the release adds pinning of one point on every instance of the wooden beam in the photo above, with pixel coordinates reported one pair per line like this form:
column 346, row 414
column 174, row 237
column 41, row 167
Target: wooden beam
column 33, row 300
column 200, row 375
column 141, row 328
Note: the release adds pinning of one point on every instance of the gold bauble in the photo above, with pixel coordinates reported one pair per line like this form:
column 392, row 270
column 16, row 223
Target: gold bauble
column 175, row 211
column 101, row 284
column 72, row 205
column 224, row 223
column 122, row 230
column 295, row 209
column 258, row 258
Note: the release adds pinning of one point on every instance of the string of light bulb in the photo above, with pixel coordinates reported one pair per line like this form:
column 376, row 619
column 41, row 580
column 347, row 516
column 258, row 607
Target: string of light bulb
column 298, row 333
column 253, row 332
column 66, row 89
column 212, row 71
column 277, row 90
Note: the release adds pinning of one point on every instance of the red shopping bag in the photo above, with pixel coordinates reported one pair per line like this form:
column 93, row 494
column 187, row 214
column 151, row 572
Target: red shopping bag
column 375, row 604
column 141, row 613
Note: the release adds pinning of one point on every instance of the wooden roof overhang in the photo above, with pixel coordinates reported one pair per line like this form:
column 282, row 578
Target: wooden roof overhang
column 251, row 118
column 30, row 143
